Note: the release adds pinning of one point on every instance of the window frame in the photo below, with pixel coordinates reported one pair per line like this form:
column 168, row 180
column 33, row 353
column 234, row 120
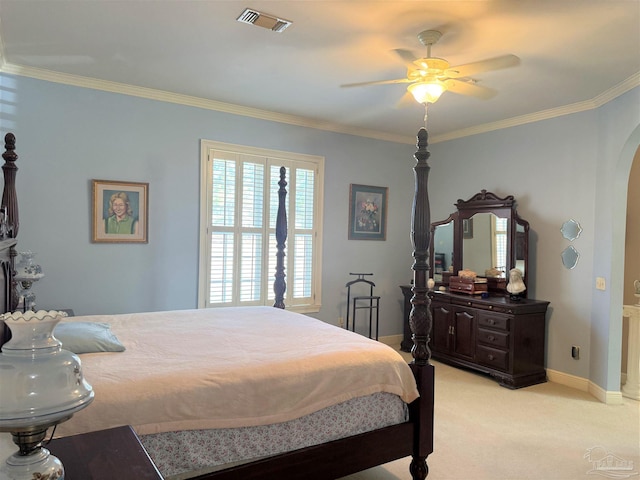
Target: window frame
column 276, row 158
column 495, row 243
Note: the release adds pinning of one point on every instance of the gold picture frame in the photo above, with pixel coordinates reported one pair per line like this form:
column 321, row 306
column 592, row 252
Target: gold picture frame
column 120, row 211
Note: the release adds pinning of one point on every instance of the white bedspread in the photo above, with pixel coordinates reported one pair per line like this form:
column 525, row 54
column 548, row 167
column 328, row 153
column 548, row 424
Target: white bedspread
column 229, row 367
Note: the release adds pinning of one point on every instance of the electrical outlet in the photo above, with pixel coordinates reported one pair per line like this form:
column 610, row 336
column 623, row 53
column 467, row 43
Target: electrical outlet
column 575, row 352
column 600, row 283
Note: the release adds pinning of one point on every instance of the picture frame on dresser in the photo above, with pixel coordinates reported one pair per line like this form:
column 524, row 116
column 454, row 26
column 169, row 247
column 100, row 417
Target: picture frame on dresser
column 120, row 211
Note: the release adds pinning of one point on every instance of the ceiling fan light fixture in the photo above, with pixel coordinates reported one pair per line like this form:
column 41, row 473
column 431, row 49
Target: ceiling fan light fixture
column 427, row 92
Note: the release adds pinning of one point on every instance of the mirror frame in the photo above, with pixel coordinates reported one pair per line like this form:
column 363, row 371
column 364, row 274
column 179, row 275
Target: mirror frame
column 432, row 233
column 487, row 202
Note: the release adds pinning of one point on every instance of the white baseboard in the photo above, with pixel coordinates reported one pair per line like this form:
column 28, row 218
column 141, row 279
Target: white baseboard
column 573, row 381
column 568, row 380
column 608, row 397
column 391, row 340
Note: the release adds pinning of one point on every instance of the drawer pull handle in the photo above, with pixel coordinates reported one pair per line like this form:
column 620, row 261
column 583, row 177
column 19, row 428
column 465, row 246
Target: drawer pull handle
column 491, row 321
column 490, row 307
column 490, row 357
column 491, row 338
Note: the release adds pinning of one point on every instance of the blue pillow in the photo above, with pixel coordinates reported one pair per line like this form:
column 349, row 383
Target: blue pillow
column 87, row 337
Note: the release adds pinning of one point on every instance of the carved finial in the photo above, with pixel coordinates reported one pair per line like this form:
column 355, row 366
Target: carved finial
column 10, row 145
column 423, row 137
column 422, row 155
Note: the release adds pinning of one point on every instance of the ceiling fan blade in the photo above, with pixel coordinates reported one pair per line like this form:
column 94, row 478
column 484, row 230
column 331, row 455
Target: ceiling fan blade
column 467, row 88
column 495, row 63
column 407, row 56
column 378, row 82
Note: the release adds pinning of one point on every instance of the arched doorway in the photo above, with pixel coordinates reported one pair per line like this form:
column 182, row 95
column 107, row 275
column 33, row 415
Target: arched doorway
column 621, row 261
column 632, row 251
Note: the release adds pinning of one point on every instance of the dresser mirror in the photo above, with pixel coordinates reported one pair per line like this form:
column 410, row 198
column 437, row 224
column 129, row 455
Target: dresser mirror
column 485, row 235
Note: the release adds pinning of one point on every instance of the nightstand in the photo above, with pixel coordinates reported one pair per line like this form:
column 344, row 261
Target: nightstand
column 104, row 455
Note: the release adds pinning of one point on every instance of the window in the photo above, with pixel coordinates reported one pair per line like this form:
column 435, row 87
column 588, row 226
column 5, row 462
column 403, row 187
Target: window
column 239, row 203
column 499, row 244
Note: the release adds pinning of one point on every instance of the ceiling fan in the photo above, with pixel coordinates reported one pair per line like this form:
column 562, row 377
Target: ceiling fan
column 430, row 76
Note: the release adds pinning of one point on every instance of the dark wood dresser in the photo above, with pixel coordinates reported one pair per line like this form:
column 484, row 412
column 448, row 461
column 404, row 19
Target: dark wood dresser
column 495, row 335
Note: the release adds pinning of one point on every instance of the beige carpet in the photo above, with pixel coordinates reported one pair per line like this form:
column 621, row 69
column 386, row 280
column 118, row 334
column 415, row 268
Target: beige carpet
column 544, row 432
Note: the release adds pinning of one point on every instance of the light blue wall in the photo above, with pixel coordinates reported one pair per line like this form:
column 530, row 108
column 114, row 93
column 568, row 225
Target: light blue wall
column 67, row 136
column 567, row 167
column 562, row 168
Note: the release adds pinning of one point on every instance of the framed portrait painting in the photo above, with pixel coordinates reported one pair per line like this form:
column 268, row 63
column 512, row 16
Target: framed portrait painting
column 120, row 211
column 367, row 212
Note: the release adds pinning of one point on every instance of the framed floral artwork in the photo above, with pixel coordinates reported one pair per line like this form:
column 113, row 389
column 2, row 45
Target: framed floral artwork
column 120, row 211
column 367, row 212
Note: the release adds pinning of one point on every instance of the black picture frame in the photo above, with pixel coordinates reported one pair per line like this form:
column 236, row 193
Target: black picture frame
column 367, row 212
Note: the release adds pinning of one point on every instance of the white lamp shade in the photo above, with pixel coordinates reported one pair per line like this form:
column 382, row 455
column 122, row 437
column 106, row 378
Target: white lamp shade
column 42, row 384
column 427, row 92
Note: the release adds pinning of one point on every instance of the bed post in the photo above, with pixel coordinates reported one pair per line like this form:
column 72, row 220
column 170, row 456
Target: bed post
column 279, row 285
column 420, row 319
column 8, row 288
column 9, row 197
column 12, row 220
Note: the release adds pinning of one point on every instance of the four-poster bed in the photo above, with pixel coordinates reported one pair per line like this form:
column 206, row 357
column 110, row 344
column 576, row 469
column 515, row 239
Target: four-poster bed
column 314, row 381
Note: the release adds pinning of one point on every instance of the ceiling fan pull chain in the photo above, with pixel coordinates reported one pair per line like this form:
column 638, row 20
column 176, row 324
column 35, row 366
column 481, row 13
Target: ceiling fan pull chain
column 426, row 106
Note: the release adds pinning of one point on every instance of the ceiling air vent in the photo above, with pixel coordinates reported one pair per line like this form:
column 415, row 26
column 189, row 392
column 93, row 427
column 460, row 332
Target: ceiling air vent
column 263, row 20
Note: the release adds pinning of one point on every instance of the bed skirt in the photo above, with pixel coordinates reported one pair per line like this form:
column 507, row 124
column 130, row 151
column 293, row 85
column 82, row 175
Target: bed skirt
column 184, row 454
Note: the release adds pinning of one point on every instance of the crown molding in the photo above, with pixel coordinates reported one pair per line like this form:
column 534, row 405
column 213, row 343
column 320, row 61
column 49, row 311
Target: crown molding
column 164, row 96
column 614, row 92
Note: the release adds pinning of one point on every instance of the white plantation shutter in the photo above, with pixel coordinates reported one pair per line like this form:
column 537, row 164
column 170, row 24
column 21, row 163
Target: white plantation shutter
column 499, row 242
column 238, row 251
column 303, row 244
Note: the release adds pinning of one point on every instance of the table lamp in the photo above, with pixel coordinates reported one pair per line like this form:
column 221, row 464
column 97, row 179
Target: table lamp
column 41, row 385
column 27, row 272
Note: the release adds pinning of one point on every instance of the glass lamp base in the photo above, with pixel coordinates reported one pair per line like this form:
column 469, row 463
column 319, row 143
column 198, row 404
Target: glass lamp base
column 39, row 464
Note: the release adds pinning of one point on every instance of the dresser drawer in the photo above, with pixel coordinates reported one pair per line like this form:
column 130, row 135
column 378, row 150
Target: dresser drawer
column 493, row 358
column 491, row 337
column 493, row 320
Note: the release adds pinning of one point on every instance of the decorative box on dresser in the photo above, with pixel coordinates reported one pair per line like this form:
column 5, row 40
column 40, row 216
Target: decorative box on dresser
column 494, row 335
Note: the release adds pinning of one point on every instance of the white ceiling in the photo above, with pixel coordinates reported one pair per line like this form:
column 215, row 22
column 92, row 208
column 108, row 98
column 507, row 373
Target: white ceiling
column 574, row 55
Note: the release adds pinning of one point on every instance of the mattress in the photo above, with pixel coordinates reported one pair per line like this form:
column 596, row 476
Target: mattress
column 229, row 368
